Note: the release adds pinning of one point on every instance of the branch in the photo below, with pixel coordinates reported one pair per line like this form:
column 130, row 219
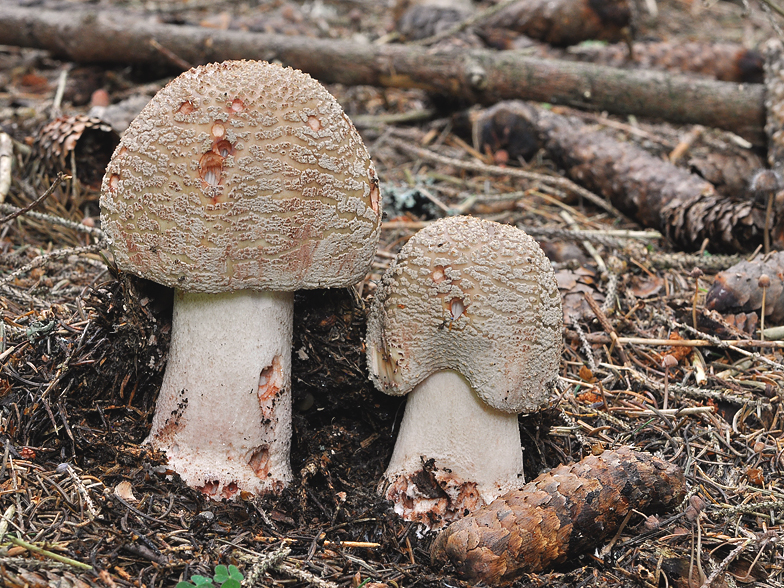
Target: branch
column 479, row 75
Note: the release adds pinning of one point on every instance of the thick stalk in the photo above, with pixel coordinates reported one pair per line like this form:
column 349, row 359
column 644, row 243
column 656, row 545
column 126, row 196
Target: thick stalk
column 224, row 411
column 475, row 450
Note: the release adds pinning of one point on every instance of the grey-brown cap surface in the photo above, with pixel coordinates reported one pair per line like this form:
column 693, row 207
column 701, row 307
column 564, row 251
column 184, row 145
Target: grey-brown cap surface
column 242, row 175
column 476, row 297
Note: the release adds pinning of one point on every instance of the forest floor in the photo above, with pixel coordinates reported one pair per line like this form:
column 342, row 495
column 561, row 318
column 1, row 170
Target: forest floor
column 83, row 350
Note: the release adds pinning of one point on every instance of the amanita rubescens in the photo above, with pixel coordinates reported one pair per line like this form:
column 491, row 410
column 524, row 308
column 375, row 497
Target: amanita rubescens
column 468, row 320
column 239, row 183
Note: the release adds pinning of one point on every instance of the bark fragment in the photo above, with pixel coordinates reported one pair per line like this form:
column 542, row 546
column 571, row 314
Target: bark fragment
column 683, row 206
column 566, row 511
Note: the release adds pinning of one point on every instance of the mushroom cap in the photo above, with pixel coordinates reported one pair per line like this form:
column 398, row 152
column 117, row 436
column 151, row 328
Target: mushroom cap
column 242, row 175
column 473, row 296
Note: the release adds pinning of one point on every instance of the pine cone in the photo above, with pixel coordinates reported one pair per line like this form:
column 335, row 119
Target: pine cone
column 90, row 139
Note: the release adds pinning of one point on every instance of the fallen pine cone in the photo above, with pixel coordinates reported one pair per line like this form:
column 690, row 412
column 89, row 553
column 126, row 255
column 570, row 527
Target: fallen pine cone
column 738, row 287
column 562, row 513
column 90, row 139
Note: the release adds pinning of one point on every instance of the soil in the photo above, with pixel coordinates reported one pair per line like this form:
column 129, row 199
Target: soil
column 84, row 348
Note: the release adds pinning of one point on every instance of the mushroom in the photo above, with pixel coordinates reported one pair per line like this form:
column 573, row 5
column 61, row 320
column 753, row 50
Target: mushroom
column 468, row 320
column 239, row 183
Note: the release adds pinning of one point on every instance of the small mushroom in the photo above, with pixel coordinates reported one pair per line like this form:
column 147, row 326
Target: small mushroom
column 468, row 320
column 239, row 183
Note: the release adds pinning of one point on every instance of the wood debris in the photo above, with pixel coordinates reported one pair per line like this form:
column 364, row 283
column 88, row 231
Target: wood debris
column 729, row 62
column 685, row 207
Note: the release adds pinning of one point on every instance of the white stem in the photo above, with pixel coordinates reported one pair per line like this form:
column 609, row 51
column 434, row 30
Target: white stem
column 473, row 443
column 224, row 411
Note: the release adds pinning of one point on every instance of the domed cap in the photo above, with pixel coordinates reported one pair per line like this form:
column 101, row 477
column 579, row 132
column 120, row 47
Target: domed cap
column 473, row 296
column 242, row 175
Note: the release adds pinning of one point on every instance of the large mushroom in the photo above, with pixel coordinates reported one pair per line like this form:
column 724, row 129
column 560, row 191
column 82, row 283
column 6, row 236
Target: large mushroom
column 239, row 183
column 468, row 320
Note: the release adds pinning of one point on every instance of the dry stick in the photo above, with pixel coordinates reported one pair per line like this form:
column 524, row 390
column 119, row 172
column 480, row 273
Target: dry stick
column 304, row 575
column 605, row 323
column 587, row 245
column 671, row 412
column 724, row 563
column 478, row 75
column 172, row 57
column 60, row 177
column 602, row 338
column 719, row 343
column 262, row 563
column 497, row 170
column 56, row 220
column 773, row 6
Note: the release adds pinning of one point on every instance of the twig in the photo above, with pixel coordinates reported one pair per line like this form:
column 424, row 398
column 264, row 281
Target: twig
column 724, row 563
column 587, row 245
column 59, row 93
column 585, row 346
column 55, row 220
column 49, row 554
column 564, row 183
column 603, row 338
column 19, row 211
column 304, row 575
column 773, row 6
column 607, row 326
column 464, row 24
column 74, row 478
column 671, row 412
column 5, row 519
column 751, row 508
column 170, row 55
column 262, row 564
column 719, row 343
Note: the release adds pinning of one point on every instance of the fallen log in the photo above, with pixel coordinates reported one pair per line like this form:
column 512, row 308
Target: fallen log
column 729, row 62
column 560, row 514
column 774, row 103
column 477, row 75
column 684, row 207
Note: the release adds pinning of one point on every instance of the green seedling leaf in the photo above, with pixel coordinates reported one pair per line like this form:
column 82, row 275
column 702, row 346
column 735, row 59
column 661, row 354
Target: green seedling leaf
column 230, row 577
column 221, row 574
